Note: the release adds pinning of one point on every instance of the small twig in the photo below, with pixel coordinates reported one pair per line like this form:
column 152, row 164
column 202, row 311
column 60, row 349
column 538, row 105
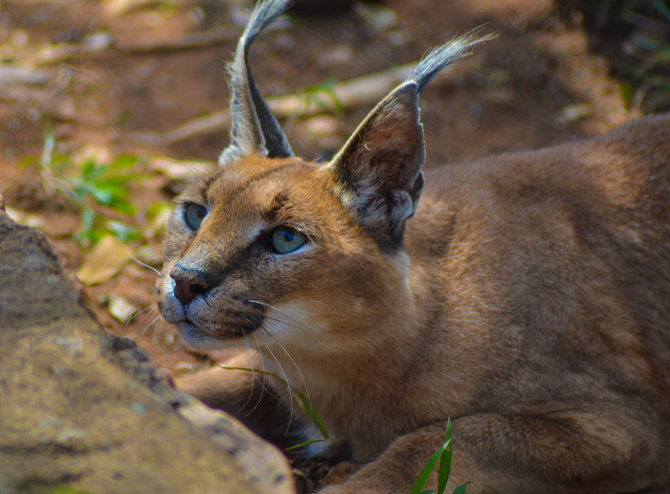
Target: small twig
column 61, row 52
column 19, row 74
column 189, row 41
column 364, row 90
column 347, row 94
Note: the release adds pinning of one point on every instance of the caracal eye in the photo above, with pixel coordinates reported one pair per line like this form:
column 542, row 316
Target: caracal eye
column 285, row 240
column 194, row 214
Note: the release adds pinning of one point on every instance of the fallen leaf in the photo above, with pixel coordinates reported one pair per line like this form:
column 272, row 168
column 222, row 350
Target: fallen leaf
column 378, row 17
column 105, row 261
column 26, row 218
column 120, row 308
column 575, row 113
column 179, row 169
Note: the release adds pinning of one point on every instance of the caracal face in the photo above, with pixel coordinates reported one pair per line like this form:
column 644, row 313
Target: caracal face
column 262, row 251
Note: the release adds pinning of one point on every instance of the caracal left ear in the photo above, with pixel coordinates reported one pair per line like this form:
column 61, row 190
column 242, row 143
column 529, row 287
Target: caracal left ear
column 379, row 168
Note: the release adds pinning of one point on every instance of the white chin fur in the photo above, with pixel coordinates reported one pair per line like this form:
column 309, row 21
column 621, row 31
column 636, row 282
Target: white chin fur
column 194, row 338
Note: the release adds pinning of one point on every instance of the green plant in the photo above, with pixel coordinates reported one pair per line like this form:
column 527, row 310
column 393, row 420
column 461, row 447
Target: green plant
column 649, row 45
column 443, row 454
column 302, row 401
column 98, row 191
column 323, row 95
column 639, row 31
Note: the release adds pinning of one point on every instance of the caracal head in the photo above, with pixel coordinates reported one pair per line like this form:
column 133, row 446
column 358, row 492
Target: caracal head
column 264, row 248
column 271, row 249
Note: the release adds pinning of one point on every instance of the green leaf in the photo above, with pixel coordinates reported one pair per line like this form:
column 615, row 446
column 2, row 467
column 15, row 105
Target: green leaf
column 305, row 443
column 123, row 207
column 90, row 170
column 461, row 488
column 626, row 93
column 309, row 410
column 445, row 461
column 119, row 180
column 302, row 400
column 122, row 231
column 117, row 191
column 124, row 161
column 102, row 196
column 422, row 479
column 87, row 219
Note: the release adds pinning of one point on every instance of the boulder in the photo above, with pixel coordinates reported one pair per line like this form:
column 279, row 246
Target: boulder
column 83, row 411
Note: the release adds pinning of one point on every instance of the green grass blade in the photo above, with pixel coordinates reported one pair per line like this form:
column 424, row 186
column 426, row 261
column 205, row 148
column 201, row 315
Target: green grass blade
column 302, row 400
column 305, row 443
column 461, row 488
column 307, row 407
column 422, row 479
column 46, row 160
column 662, row 8
column 445, row 461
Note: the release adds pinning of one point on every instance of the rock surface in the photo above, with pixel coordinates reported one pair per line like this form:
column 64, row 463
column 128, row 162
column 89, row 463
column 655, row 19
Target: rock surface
column 85, row 412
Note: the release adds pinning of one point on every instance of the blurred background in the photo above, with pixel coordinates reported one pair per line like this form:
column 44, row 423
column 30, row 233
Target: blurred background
column 107, row 107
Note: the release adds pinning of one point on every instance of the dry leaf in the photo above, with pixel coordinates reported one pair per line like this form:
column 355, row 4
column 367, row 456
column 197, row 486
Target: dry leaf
column 575, row 113
column 105, row 261
column 26, row 218
column 120, row 308
column 179, row 169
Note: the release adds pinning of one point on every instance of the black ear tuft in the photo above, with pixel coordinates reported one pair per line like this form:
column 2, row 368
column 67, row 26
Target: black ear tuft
column 445, row 55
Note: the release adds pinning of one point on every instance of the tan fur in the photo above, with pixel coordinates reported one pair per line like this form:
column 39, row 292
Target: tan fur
column 527, row 297
column 531, row 304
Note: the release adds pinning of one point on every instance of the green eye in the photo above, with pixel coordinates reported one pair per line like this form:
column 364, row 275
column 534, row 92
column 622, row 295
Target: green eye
column 285, row 240
column 194, row 214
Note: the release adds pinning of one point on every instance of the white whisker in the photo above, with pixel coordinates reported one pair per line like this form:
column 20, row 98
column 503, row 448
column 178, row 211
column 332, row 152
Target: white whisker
column 288, row 320
column 305, row 388
column 156, row 324
column 288, row 384
column 289, row 324
column 148, row 310
column 145, row 265
column 264, row 388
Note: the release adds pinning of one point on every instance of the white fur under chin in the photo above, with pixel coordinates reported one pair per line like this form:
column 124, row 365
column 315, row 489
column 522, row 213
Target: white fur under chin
column 195, row 339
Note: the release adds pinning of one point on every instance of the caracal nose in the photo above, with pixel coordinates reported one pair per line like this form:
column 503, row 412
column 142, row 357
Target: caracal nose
column 189, row 283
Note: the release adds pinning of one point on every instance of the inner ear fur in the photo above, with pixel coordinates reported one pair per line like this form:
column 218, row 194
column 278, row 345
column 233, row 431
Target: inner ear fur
column 379, row 168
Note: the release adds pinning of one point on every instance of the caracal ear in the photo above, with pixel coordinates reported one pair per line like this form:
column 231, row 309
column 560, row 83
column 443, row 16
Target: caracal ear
column 379, row 168
column 254, row 128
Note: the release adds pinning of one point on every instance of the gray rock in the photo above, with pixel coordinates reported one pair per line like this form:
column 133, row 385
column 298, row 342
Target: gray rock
column 83, row 411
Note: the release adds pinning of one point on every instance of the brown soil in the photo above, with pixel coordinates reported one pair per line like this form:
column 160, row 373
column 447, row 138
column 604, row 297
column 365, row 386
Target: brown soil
column 535, row 85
